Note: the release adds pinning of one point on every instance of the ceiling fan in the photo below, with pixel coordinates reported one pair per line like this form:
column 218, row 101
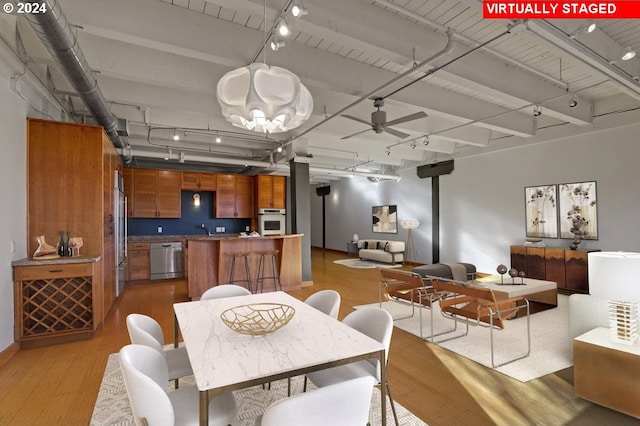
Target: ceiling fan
column 379, row 121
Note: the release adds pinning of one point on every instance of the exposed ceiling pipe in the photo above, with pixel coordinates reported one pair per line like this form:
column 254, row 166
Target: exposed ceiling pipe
column 56, row 34
column 262, row 164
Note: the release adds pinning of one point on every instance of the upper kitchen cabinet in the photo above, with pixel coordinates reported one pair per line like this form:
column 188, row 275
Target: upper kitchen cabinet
column 193, row 181
column 156, row 193
column 70, row 184
column 271, row 192
column 234, row 196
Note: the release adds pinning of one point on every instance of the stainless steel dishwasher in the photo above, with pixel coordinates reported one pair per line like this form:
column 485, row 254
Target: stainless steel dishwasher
column 166, row 260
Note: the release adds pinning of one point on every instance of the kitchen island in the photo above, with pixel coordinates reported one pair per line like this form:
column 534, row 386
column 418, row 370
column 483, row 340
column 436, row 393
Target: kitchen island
column 208, row 260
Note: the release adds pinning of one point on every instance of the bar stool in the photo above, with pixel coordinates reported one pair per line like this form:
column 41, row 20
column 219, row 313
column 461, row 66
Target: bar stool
column 245, row 257
column 275, row 278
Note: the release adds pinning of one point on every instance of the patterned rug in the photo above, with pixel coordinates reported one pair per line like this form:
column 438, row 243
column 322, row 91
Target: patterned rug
column 366, row 264
column 112, row 405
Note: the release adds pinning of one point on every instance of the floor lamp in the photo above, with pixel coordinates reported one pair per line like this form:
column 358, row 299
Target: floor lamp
column 410, row 224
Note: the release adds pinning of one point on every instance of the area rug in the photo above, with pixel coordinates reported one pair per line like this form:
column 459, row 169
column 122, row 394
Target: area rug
column 366, row 264
column 550, row 343
column 112, row 405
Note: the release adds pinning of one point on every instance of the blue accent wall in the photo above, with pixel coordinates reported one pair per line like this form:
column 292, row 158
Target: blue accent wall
column 191, row 219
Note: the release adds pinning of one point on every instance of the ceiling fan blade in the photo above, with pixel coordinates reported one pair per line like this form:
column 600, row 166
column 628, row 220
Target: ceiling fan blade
column 395, row 133
column 359, row 120
column 356, row 134
column 406, row 118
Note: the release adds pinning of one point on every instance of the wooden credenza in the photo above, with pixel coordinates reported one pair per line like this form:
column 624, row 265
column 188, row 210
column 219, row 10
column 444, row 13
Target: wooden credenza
column 568, row 268
column 57, row 301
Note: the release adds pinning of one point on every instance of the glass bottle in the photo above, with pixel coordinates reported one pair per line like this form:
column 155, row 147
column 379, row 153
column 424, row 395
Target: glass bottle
column 67, row 246
column 61, row 248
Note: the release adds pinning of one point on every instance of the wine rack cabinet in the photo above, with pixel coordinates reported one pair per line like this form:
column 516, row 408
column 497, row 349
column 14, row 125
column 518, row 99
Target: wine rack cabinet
column 55, row 303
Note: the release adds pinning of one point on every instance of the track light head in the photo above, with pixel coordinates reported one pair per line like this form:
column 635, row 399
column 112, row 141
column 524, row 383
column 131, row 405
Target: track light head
column 387, row 151
column 277, row 44
column 218, row 139
column 628, row 54
column 426, row 141
column 413, row 145
column 279, row 148
column 573, row 102
column 283, row 28
column 537, row 111
column 298, row 10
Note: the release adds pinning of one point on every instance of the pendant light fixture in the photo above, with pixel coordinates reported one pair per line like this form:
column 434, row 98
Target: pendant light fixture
column 264, row 98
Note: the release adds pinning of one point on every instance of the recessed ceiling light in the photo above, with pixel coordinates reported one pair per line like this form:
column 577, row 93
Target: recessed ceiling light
column 591, row 28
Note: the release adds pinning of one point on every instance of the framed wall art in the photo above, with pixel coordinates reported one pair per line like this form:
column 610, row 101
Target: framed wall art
column 385, row 219
column 541, row 211
column 578, row 210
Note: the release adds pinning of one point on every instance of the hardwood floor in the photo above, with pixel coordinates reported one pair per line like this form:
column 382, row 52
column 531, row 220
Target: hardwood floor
column 57, row 385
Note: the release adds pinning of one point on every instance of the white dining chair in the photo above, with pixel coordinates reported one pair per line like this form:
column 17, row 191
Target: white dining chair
column 375, row 323
column 144, row 330
column 224, row 290
column 346, row 404
column 146, row 377
column 327, row 301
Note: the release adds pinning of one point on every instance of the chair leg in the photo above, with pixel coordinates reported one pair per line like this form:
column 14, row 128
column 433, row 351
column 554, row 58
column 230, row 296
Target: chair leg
column 393, row 405
column 288, row 386
column 304, row 386
column 176, row 383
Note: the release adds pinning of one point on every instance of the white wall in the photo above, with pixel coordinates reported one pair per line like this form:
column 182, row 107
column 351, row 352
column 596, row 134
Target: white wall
column 482, row 201
column 13, row 226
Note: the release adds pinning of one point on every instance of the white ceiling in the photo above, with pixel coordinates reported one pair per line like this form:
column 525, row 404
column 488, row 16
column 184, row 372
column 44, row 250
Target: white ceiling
column 157, row 62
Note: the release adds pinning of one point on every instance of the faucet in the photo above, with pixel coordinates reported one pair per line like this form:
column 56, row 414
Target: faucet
column 206, row 229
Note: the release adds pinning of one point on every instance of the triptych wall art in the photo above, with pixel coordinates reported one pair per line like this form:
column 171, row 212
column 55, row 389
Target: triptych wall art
column 572, row 206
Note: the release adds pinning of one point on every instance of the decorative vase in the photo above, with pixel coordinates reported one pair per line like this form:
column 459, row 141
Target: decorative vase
column 44, row 249
column 575, row 243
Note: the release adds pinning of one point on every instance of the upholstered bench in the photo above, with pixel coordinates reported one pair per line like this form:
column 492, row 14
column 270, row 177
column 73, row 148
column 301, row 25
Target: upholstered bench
column 443, row 270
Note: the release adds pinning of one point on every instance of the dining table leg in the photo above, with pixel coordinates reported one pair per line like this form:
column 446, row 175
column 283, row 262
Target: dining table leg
column 383, row 388
column 204, row 408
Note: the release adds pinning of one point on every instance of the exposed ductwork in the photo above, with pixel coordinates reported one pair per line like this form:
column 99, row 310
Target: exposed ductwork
column 57, row 36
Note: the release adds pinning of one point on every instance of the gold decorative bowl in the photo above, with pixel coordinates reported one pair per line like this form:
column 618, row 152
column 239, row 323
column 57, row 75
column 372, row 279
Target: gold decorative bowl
column 257, row 319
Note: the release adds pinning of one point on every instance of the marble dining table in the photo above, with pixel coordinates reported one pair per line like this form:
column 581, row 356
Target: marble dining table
column 224, row 360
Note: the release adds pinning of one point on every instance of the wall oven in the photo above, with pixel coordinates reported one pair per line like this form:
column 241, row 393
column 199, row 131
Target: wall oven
column 271, row 221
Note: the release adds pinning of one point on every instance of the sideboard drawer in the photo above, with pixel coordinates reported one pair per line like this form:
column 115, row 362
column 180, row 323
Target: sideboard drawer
column 27, row 273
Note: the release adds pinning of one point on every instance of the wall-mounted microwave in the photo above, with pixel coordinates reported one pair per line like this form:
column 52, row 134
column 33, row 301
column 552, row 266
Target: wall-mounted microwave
column 271, row 221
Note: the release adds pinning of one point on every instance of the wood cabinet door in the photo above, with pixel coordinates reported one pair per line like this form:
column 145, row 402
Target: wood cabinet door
column 535, row 263
column 145, row 193
column 264, row 191
column 577, row 270
column 226, row 196
column 127, row 176
column 139, row 265
column 208, row 181
column 554, row 266
column 279, row 191
column 169, row 197
column 191, row 181
column 519, row 258
column 244, row 196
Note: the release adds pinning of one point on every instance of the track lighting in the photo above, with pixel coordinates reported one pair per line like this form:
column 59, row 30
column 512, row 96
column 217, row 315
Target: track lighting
column 629, row 53
column 426, row 140
column 298, row 10
column 176, row 136
column 283, row 28
column 218, row 139
column 277, row 44
column 413, row 145
column 537, row 111
column 573, row 102
column 279, row 148
column 588, row 29
column 387, row 151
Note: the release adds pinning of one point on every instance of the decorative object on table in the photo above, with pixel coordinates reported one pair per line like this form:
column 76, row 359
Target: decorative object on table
column 502, row 269
column 522, row 274
column 513, row 273
column 541, row 212
column 45, row 251
column 257, row 319
column 578, row 212
column 410, row 224
column 385, row 219
column 623, row 322
column 76, row 243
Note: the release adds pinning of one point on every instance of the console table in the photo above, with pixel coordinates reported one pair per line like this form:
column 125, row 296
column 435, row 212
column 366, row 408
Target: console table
column 607, row 372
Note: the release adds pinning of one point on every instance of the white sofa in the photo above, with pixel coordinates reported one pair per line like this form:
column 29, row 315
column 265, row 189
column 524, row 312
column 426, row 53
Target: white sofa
column 381, row 250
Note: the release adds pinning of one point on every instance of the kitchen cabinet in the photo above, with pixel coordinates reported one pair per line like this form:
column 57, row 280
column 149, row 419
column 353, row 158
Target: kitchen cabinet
column 58, row 301
column 193, row 181
column 271, row 192
column 568, row 268
column 138, row 262
column 234, row 196
column 156, row 193
column 70, row 186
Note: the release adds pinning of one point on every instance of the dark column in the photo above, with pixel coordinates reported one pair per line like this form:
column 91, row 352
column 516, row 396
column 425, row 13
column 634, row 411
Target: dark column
column 301, row 211
column 435, row 219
